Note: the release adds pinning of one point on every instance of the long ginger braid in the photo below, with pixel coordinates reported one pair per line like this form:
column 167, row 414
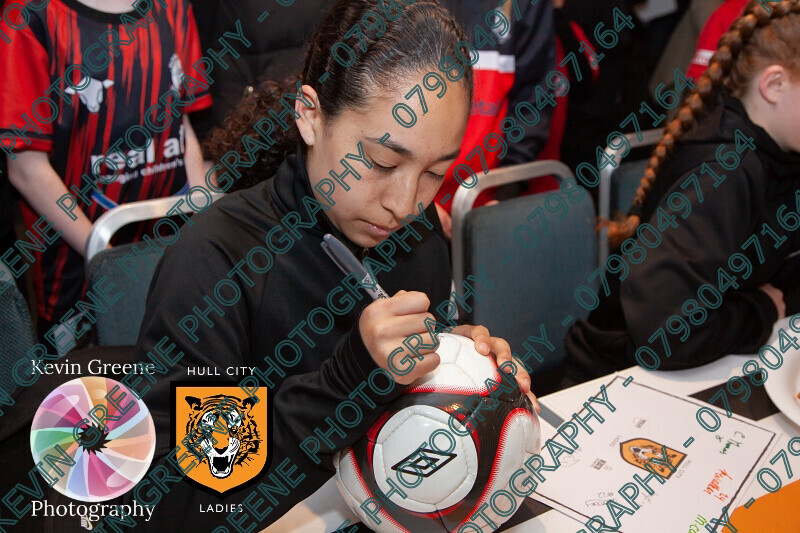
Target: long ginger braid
column 755, row 40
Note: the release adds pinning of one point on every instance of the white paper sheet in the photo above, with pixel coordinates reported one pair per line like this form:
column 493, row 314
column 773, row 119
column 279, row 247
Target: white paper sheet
column 710, row 471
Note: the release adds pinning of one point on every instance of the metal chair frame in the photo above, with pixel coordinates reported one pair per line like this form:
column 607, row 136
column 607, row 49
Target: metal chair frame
column 465, row 198
column 649, row 137
column 112, row 220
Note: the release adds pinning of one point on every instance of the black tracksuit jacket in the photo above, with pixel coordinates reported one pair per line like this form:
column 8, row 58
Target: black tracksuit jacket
column 691, row 254
column 210, row 245
column 268, row 311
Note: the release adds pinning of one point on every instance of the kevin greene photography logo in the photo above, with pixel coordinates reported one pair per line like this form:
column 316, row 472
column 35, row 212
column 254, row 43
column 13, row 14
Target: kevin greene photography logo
column 94, row 441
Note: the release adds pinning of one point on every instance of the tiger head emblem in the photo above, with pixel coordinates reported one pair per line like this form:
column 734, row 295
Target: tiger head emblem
column 222, row 431
column 648, row 454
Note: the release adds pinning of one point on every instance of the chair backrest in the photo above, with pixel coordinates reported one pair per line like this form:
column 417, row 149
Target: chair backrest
column 112, row 220
column 131, row 272
column 465, row 197
column 533, row 272
column 618, row 183
column 119, row 325
column 16, row 331
column 624, row 183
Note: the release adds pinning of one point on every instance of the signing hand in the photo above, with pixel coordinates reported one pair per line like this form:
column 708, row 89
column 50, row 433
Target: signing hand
column 385, row 324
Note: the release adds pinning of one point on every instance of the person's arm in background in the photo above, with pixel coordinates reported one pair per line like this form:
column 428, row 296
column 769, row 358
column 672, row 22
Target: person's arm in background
column 36, row 180
column 190, row 35
column 680, row 47
column 535, row 57
column 25, row 67
column 193, row 157
column 716, row 25
column 34, row 177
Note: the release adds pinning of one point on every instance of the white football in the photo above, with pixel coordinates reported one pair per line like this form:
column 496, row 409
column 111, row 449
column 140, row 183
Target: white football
column 443, row 449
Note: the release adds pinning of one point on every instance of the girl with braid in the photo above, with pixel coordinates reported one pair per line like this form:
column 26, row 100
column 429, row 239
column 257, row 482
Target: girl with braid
column 750, row 90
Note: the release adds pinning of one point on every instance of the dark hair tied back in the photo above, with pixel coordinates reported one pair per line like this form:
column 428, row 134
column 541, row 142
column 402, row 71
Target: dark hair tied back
column 423, row 34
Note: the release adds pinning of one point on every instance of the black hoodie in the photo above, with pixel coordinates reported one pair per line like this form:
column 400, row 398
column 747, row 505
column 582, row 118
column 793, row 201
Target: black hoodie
column 692, row 254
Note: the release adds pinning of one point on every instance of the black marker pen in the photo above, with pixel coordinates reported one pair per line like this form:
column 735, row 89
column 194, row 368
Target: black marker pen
column 348, row 264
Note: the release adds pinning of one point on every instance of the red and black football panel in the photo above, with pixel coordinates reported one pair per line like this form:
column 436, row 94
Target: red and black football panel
column 490, row 428
column 507, row 460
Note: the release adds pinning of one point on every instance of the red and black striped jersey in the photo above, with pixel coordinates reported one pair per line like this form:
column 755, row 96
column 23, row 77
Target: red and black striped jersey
column 132, row 60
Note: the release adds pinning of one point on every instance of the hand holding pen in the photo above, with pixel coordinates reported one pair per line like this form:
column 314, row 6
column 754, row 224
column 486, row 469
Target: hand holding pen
column 388, row 321
column 347, row 263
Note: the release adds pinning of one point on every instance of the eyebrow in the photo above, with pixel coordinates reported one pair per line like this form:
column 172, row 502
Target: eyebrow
column 402, row 150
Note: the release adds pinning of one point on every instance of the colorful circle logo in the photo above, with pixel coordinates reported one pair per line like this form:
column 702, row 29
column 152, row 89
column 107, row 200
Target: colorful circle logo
column 110, row 443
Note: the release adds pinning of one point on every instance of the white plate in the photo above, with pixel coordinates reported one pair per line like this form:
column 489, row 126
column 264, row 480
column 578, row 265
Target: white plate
column 783, row 384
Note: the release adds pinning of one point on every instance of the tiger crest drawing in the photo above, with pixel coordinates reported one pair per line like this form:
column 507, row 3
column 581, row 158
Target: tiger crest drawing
column 224, row 428
column 639, row 452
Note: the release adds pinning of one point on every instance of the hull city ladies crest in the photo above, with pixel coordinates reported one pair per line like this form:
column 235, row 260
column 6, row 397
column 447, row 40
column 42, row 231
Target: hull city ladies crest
column 225, row 430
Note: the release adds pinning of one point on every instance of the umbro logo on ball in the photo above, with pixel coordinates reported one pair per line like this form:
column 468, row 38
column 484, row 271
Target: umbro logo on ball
column 424, row 462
